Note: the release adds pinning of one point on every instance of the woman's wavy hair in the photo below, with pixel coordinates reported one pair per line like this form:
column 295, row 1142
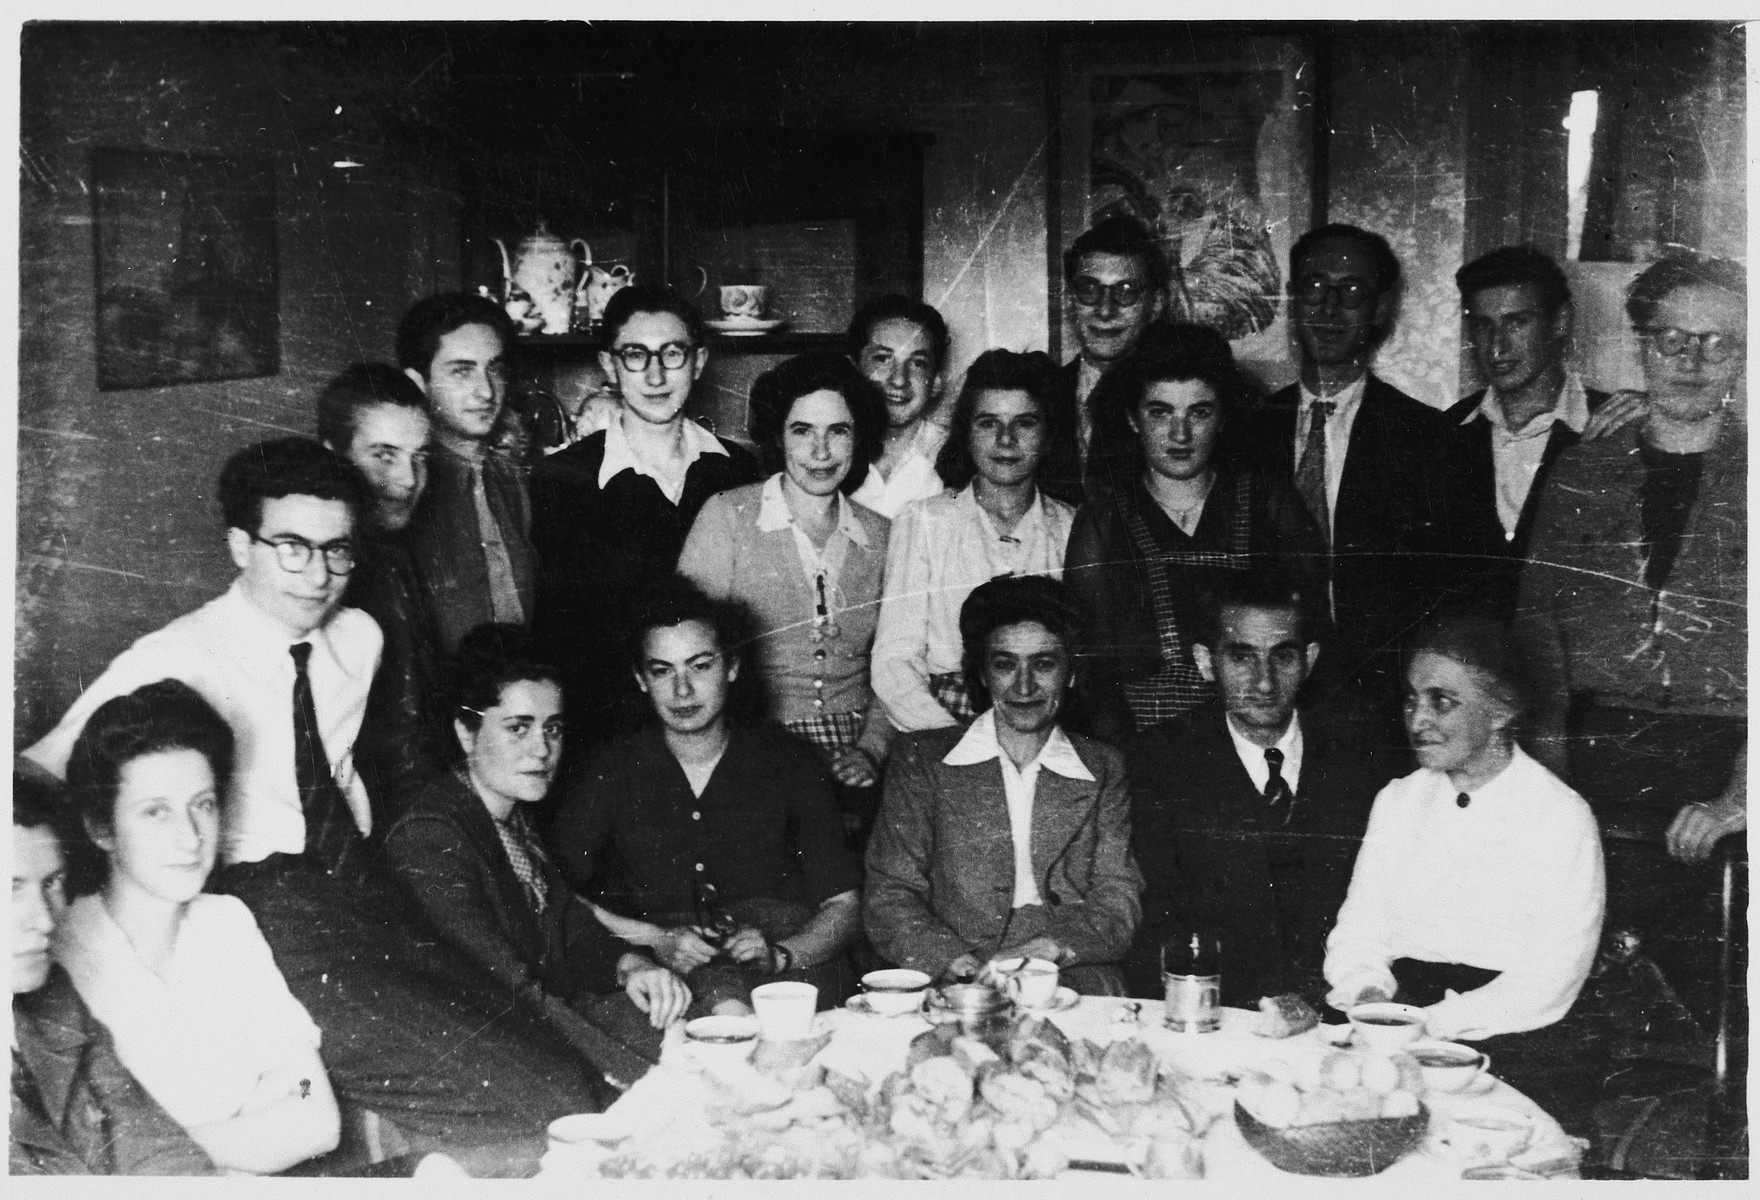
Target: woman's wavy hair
column 1011, row 600
column 161, row 717
column 489, row 658
column 775, row 391
column 995, row 371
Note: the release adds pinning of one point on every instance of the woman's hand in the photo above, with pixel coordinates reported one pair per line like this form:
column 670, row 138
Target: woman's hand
column 1371, row 995
column 659, row 993
column 1621, row 409
column 963, row 968
column 682, row 950
column 1697, row 828
column 747, row 945
column 1042, row 946
column 856, row 766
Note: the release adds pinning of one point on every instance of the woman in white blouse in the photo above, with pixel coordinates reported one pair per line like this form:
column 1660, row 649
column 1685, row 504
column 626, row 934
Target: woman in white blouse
column 993, row 521
column 184, row 981
column 1479, row 891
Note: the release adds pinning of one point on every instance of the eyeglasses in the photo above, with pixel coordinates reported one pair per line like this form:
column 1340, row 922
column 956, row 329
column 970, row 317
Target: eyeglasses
column 1714, row 348
column 1126, row 293
column 295, row 554
column 1351, row 293
column 635, row 358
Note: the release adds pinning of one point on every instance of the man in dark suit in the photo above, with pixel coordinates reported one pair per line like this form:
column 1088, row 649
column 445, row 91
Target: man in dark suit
column 1245, row 814
column 1376, row 468
column 1518, row 315
column 1115, row 281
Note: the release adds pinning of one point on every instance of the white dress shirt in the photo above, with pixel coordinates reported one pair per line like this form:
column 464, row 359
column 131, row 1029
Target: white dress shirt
column 619, row 456
column 1252, row 755
column 1517, row 455
column 941, row 549
column 238, row 660
column 1511, row 883
column 1058, row 755
column 913, row 477
column 1347, row 403
column 198, row 1035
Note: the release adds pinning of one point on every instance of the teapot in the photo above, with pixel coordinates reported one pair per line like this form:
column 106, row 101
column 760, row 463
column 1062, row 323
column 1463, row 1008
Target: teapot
column 597, row 286
column 543, row 273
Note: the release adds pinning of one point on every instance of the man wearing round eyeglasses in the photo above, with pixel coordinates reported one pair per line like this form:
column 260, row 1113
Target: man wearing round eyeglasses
column 1115, row 283
column 289, row 667
column 610, row 513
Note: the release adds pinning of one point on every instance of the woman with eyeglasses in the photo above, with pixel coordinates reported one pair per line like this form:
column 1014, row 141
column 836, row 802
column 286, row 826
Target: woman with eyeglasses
column 469, row 855
column 1636, row 592
column 610, row 513
column 806, row 560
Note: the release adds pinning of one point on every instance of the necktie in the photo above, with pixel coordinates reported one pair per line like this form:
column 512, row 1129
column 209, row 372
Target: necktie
column 1277, row 794
column 331, row 836
column 504, row 602
column 1311, row 470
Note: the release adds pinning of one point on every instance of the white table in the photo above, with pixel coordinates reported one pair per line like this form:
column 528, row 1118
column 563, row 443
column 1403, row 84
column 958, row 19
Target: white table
column 674, row 1095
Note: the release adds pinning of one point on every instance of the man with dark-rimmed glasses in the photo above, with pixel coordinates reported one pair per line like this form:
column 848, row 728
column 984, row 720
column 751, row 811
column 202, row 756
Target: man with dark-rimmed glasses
column 610, row 513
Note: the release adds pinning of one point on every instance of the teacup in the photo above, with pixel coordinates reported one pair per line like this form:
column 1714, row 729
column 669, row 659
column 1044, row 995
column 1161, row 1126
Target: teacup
column 721, row 1039
column 1029, row 982
column 1448, row 1066
column 1386, row 1027
column 785, row 1010
column 744, row 301
column 895, row 991
column 1486, row 1138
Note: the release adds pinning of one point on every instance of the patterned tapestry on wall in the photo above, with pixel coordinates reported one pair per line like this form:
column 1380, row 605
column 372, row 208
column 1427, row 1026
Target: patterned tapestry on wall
column 187, row 283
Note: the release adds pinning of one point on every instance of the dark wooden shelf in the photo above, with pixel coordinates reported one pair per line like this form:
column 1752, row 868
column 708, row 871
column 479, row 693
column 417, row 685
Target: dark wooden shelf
column 781, row 342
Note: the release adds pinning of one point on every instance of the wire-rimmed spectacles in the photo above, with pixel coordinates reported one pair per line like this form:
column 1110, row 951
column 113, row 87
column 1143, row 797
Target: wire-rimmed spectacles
column 1351, row 293
column 1714, row 348
column 636, row 357
column 1126, row 293
column 295, row 554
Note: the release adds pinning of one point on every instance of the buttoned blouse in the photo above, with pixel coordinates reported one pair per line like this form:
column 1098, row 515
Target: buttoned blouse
column 238, row 660
column 1512, row 883
column 198, row 1035
column 743, row 547
column 938, row 551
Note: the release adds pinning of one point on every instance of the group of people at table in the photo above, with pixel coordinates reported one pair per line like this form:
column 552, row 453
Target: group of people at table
column 1094, row 654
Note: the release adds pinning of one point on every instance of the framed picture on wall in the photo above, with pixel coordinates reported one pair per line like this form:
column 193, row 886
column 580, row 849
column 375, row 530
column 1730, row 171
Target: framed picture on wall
column 1212, row 142
column 187, row 288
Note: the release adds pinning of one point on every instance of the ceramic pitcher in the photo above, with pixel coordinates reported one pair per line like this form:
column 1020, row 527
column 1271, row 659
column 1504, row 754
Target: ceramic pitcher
column 545, row 270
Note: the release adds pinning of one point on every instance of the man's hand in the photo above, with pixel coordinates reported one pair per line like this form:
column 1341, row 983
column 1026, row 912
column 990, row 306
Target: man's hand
column 964, row 967
column 682, row 950
column 1042, row 946
column 1697, row 828
column 1621, row 409
column 659, row 993
column 747, row 945
column 1371, row 995
column 855, row 767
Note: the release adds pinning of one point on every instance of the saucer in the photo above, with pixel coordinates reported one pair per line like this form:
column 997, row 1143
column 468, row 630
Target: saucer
column 1064, row 999
column 746, row 326
column 858, row 1003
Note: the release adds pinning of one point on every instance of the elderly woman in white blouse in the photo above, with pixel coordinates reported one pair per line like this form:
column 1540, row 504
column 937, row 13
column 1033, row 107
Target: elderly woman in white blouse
column 992, row 521
column 183, row 980
column 1479, row 891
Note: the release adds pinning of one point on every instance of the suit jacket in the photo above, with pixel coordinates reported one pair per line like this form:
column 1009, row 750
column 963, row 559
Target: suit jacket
column 447, row 853
column 448, row 547
column 75, row 1108
column 1472, row 435
column 1199, row 835
column 1060, row 470
column 941, row 859
column 1398, row 541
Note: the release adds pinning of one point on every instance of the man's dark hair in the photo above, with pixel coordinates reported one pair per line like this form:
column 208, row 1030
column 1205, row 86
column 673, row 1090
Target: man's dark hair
column 1165, row 353
column 775, row 391
column 360, row 387
column 1381, row 255
column 1512, row 266
column 1261, row 588
column 38, row 804
column 488, row 658
column 641, row 298
column 1011, row 600
column 1678, row 269
column 290, row 466
column 671, row 602
column 427, row 321
column 897, row 308
column 158, row 718
column 1123, row 236
column 996, row 371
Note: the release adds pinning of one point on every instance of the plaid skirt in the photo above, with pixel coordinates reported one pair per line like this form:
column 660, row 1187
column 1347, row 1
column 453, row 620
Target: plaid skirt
column 829, row 732
column 951, row 693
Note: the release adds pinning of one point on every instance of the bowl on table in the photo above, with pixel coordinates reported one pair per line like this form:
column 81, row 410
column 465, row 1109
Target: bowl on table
column 895, row 991
column 721, row 1039
column 1448, row 1066
column 1342, row 1149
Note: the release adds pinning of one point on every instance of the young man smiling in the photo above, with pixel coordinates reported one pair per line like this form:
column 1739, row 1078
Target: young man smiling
column 901, row 344
column 1245, row 813
column 1011, row 837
